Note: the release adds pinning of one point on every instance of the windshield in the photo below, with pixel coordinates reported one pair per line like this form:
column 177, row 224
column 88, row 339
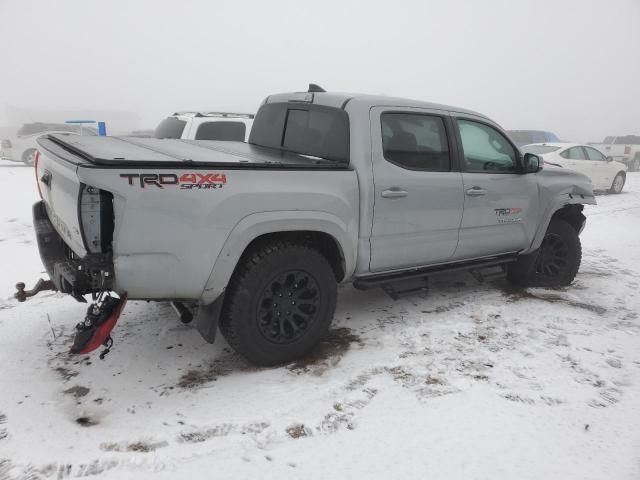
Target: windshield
column 539, row 149
column 170, row 128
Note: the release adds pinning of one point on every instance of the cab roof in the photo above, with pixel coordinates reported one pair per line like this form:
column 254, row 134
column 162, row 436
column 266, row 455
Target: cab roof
column 360, row 101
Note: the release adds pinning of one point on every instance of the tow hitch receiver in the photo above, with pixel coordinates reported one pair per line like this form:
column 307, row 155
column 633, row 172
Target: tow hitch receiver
column 22, row 294
column 95, row 329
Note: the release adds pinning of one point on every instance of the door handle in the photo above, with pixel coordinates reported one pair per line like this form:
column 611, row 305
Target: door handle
column 46, row 178
column 476, row 191
column 394, row 193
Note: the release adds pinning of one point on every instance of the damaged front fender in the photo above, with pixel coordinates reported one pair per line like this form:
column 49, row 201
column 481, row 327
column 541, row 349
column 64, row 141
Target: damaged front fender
column 562, row 192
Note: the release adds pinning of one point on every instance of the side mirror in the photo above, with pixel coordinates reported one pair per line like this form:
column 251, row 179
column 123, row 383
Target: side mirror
column 609, row 159
column 531, row 163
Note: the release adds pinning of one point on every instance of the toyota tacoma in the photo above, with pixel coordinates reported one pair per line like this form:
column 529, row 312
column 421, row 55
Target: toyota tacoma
column 254, row 238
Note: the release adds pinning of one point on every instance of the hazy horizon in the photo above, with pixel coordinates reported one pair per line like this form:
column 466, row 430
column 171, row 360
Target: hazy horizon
column 571, row 67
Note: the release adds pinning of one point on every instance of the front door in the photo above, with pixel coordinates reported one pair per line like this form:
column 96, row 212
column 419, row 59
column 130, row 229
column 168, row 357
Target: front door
column 500, row 203
column 418, row 197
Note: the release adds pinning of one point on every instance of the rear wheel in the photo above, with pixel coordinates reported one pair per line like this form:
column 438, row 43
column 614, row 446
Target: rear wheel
column 279, row 303
column 555, row 263
column 618, row 183
column 29, row 156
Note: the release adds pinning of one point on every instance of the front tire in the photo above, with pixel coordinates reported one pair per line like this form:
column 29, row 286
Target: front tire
column 279, row 303
column 618, row 183
column 29, row 156
column 554, row 264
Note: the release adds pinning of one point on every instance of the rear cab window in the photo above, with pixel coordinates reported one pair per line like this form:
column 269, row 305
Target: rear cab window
column 226, row 131
column 170, row 127
column 307, row 129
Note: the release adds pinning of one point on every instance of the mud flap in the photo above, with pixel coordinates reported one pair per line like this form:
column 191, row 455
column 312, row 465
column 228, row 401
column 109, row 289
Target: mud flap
column 207, row 319
column 96, row 328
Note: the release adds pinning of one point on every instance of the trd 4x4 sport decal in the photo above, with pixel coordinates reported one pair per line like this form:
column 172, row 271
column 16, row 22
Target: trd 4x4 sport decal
column 506, row 215
column 186, row 181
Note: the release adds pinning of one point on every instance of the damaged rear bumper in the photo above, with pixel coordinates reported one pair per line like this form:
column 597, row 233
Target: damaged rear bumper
column 69, row 273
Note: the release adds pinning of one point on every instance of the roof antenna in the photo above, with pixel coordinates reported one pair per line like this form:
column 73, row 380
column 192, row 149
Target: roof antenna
column 315, row 88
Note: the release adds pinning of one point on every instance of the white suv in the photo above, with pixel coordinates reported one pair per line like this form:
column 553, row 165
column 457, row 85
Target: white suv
column 206, row 126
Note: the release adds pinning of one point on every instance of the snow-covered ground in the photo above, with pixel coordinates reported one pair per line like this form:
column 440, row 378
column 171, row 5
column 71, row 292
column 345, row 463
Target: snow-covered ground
column 469, row 381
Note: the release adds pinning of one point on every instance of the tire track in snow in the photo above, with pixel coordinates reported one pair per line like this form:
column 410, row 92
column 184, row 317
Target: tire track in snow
column 3, row 431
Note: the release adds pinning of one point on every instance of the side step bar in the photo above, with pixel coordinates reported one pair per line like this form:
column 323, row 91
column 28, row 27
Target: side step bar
column 475, row 267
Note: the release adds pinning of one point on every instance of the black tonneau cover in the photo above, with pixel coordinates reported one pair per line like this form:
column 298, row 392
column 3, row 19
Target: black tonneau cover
column 106, row 152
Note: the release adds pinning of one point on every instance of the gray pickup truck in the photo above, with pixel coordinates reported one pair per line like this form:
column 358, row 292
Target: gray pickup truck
column 255, row 237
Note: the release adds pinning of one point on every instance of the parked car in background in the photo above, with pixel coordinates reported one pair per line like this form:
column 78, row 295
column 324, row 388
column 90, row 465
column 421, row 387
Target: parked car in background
column 604, row 172
column 22, row 147
column 206, row 126
column 526, row 137
column 625, row 149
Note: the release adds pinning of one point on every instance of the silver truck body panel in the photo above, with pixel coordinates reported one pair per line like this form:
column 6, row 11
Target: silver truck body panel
column 421, row 226
column 167, row 242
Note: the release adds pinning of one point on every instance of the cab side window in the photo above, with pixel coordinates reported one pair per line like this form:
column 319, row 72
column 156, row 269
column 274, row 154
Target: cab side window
column 415, row 141
column 485, row 148
column 574, row 153
column 593, row 154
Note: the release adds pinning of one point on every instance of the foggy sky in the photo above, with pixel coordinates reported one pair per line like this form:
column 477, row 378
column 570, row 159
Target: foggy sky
column 569, row 66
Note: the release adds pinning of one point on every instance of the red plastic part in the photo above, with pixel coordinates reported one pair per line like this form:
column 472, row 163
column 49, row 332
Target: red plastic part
column 104, row 330
column 35, row 166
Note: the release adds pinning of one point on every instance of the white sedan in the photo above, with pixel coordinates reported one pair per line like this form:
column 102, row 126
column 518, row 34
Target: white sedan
column 23, row 147
column 605, row 174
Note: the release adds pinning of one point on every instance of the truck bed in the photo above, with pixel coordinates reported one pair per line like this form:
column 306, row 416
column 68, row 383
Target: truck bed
column 106, row 152
column 108, row 218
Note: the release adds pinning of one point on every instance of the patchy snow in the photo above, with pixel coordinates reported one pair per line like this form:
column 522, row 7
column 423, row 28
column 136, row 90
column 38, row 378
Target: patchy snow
column 469, row 381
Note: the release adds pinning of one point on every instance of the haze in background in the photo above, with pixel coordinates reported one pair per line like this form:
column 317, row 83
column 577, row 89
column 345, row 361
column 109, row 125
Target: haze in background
column 572, row 67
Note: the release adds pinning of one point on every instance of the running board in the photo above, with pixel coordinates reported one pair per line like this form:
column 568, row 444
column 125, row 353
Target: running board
column 482, row 274
column 401, row 288
column 475, row 267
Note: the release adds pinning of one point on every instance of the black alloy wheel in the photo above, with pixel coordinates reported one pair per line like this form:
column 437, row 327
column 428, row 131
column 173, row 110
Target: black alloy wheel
column 288, row 306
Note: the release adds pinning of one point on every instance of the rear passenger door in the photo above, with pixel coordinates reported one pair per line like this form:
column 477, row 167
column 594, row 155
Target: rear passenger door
column 500, row 204
column 417, row 186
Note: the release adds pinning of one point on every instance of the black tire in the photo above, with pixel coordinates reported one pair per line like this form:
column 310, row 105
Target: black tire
column 618, row 183
column 554, row 264
column 279, row 303
column 28, row 156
